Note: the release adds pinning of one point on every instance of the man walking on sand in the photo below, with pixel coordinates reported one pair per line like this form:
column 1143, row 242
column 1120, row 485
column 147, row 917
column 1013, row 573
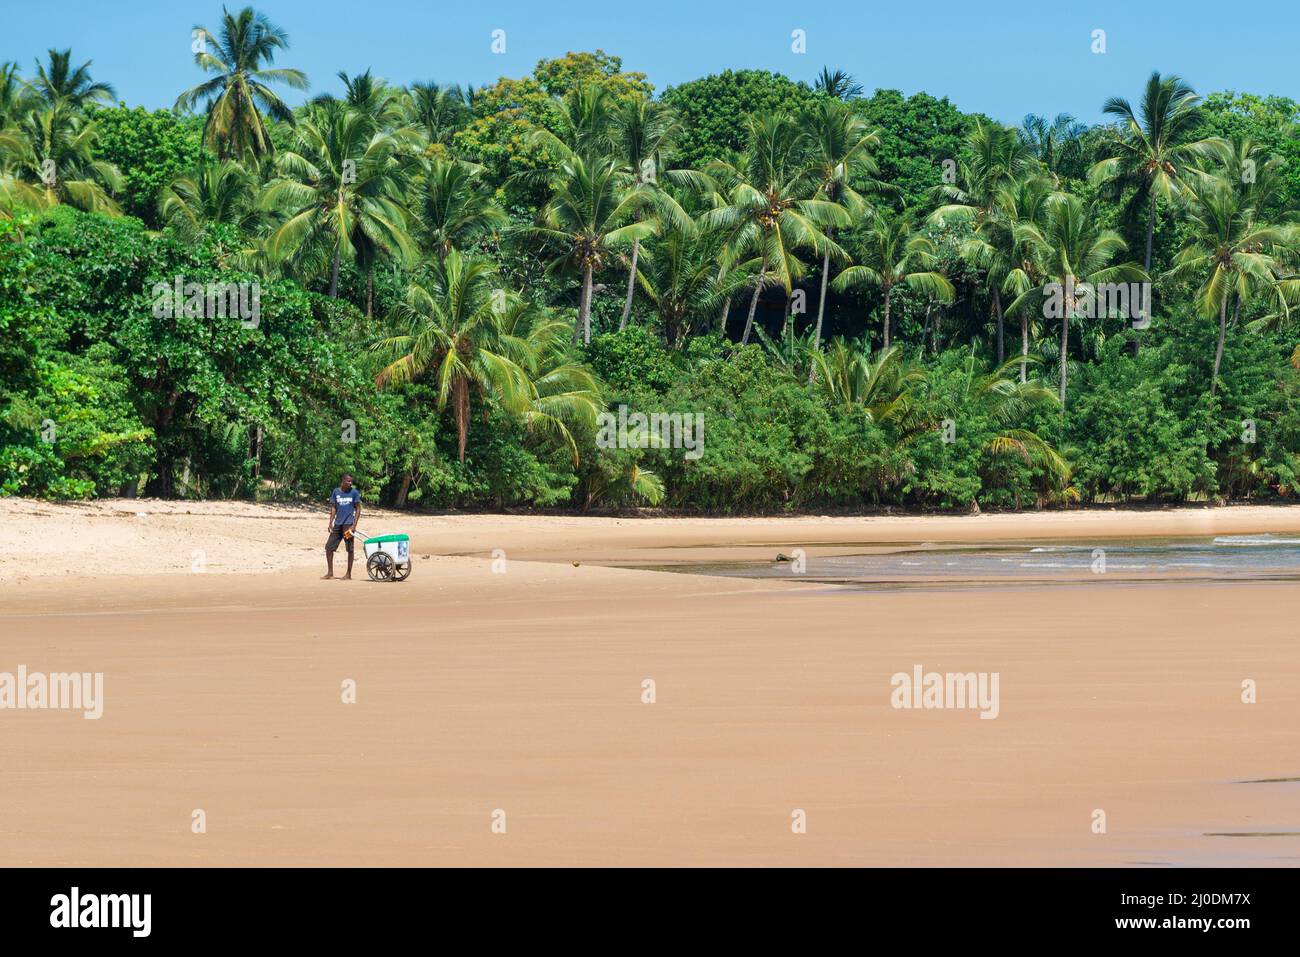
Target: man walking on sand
column 345, row 509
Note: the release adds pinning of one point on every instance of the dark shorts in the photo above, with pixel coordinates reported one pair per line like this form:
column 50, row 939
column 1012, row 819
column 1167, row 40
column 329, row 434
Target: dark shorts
column 336, row 536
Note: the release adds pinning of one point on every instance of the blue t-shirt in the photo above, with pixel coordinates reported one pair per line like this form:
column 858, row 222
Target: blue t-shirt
column 345, row 505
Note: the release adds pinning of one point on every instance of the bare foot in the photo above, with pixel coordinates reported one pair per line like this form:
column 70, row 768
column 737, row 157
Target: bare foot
column 347, row 577
column 323, row 577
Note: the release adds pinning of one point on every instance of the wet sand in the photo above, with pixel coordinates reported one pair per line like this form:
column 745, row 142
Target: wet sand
column 521, row 691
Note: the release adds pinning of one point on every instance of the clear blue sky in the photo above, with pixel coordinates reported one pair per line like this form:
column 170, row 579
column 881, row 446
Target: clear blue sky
column 1000, row 57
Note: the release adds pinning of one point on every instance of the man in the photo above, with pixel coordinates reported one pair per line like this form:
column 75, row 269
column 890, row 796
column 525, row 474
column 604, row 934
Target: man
column 345, row 509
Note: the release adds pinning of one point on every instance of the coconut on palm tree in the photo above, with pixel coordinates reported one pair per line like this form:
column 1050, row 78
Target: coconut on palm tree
column 239, row 92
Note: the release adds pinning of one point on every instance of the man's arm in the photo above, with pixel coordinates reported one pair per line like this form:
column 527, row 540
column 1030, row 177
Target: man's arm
column 333, row 511
column 356, row 511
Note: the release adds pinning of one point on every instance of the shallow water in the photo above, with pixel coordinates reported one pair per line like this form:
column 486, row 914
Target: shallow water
column 1222, row 558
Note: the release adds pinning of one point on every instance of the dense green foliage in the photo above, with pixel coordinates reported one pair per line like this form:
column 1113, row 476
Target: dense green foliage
column 853, row 294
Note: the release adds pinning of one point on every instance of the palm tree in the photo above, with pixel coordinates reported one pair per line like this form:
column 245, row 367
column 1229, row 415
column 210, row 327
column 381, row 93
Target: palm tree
column 452, row 208
column 840, row 154
column 16, row 101
column 683, row 281
column 16, row 98
column 437, row 111
column 1005, row 402
column 456, row 332
column 998, row 156
column 1055, row 143
column 837, row 84
column 886, row 384
column 592, row 212
column 1000, row 247
column 341, row 190
column 584, row 124
column 894, row 253
column 561, row 394
column 1073, row 255
column 215, row 191
column 370, row 96
column 1236, row 250
column 644, row 131
column 235, row 126
column 598, row 203
column 50, row 159
column 769, row 206
column 59, row 85
column 1148, row 152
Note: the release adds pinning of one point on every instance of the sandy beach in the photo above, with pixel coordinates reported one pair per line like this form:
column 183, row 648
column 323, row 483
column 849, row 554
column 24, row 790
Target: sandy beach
column 508, row 675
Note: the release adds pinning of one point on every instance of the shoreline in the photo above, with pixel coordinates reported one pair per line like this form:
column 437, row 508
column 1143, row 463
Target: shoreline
column 42, row 540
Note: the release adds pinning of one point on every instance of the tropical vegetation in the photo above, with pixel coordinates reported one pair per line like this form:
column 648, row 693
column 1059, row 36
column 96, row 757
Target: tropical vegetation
column 871, row 299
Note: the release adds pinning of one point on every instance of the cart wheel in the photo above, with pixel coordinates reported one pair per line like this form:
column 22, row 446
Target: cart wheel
column 381, row 567
column 403, row 572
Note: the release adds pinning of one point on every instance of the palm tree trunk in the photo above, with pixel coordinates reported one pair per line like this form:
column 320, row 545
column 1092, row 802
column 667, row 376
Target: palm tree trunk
column 997, row 306
column 370, row 292
column 820, row 310
column 586, row 306
column 722, row 319
column 460, row 411
column 1218, row 352
column 753, row 306
column 1151, row 229
column 582, row 325
column 821, row 307
column 925, row 326
column 334, row 276
column 888, row 290
column 1065, row 339
column 1146, row 261
column 631, row 285
column 1024, row 345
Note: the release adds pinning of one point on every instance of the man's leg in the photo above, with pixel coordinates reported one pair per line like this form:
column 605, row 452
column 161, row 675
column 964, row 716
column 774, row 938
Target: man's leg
column 331, row 543
column 348, row 576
